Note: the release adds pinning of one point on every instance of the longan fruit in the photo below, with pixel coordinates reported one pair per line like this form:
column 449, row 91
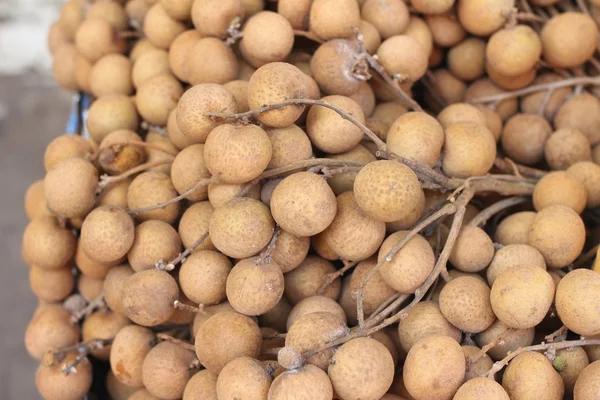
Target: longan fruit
column 486, row 87
column 365, row 98
column 196, row 102
column 220, row 194
column 303, row 204
column 143, row 393
column 565, row 47
column 107, row 234
column 576, row 303
column 408, row 269
column 432, row 7
column 493, row 120
column 514, row 229
column 331, row 19
column 70, row 188
column 64, row 147
column 111, row 75
column 149, row 189
column 157, row 97
column 288, row 145
column 174, row 133
column 524, row 137
column 473, row 250
column 425, row 319
column 588, row 173
column 179, row 53
column 481, row 388
column 128, row 350
column 514, row 255
column 53, row 384
column 566, row 147
column 268, row 37
column 210, row 60
column 404, row 57
column 466, row 59
column 154, row 241
column 116, row 389
column 178, row 9
column 532, row 372
column 224, row 337
column 52, row 285
column 476, row 365
column 513, row 51
column 430, row 361
column 116, row 156
column 513, row 339
column 46, row 244
column 531, row 103
column 416, row 136
column 151, row 63
column 484, row 17
column 57, row 36
column 114, row 194
column 521, row 296
column 371, row 36
column 290, row 250
column 469, row 150
column 559, row 187
column 587, row 387
column 213, row 18
column 390, row 17
column 64, row 67
column 148, row 297
column 511, row 82
column 209, row 311
column 111, row 113
column 166, row 370
column 465, row 303
column 50, row 329
column 559, row 234
column 384, row 115
column 376, row 290
column 241, row 228
column 160, row 28
column 333, row 66
column 113, row 285
column 194, row 224
column 140, row 47
column 276, row 318
column 576, row 361
column 35, row 201
column 446, row 29
column 393, row 201
column 244, row 377
column 188, row 169
column 580, row 112
column 237, row 153
column 305, row 383
column 203, row 275
column 341, row 183
column 306, row 279
column 96, row 38
column 460, row 112
column 202, row 384
column 450, row 88
column 155, row 138
column 112, row 12
column 315, row 304
column 90, row 288
column 239, row 89
column 295, row 11
column 71, row 15
column 103, row 325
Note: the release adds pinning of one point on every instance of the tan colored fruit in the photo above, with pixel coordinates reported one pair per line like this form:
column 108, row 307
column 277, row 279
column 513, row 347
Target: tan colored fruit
column 112, row 12
column 174, row 133
column 514, row 255
column 288, row 144
column 160, row 28
column 315, row 304
column 404, row 57
column 390, row 17
column 305, row 383
column 424, row 320
column 483, row 17
column 113, row 286
column 466, row 59
column 532, row 372
column 416, row 136
column 465, row 303
column 295, row 11
column 188, row 169
column 561, row 188
column 514, row 51
column 477, row 364
column 149, row 189
column 566, row 147
column 531, row 103
column 473, row 250
column 203, row 383
column 486, row 87
column 203, row 275
column 469, row 150
column 46, row 244
column 151, row 63
column 103, row 325
column 481, row 388
column 107, row 234
column 514, row 229
column 244, row 377
column 140, row 47
column 70, row 188
column 129, row 348
column 222, row 68
column 96, row 38
column 576, row 361
column 341, row 183
column 154, row 241
column 524, row 137
column 219, row 194
column 460, row 112
column 116, row 156
column 109, row 114
column 50, row 329
column 111, row 75
column 52, row 285
column 166, row 370
column 587, row 386
column 213, row 18
column 450, row 88
column 194, row 224
column 66, row 146
column 576, row 302
column 512, row 338
column 558, row 36
column 116, row 389
column 290, row 251
column 268, row 37
column 581, row 112
column 157, row 97
column 53, row 384
column 446, row 29
column 179, row 53
column 276, row 318
column 306, row 280
column 376, row 290
column 333, row 67
column 35, row 201
column 589, row 174
column 148, row 297
column 330, row 19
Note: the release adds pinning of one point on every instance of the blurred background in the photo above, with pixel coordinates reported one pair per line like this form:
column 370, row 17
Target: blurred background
column 33, row 110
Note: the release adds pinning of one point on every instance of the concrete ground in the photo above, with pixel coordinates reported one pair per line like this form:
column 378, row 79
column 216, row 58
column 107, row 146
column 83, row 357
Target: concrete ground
column 37, row 112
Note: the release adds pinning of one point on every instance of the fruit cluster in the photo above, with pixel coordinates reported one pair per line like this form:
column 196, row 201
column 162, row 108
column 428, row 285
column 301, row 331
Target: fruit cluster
column 321, row 199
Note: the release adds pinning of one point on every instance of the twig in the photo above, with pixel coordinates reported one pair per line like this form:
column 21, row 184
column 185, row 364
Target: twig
column 380, row 315
column 487, row 213
column 265, row 255
column 161, row 130
column 106, row 180
column 186, row 307
column 170, row 266
column 308, row 35
column 274, row 336
column 543, row 346
column 559, row 334
column 332, row 276
column 119, row 145
column 83, row 348
column 496, row 342
column 234, row 32
column 179, row 342
column 92, row 306
column 544, row 103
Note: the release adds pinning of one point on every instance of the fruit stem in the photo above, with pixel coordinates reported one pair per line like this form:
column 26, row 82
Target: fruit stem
column 560, row 334
column 106, row 180
column 170, row 266
column 179, row 342
column 487, row 213
column 332, row 276
column 265, row 255
column 92, row 306
column 507, row 165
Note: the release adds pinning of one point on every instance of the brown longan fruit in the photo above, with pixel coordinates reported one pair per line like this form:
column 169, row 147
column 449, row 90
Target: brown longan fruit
column 103, row 325
column 241, row 228
column 167, row 147
column 201, row 384
column 303, row 204
column 112, row 12
column 531, row 103
column 587, row 386
column 220, row 194
column 460, row 112
column 237, row 153
column 305, row 383
column 157, row 97
column 143, row 393
column 213, row 18
column 559, row 234
column 46, row 244
column 588, row 173
column 465, row 303
column 341, row 183
column 244, row 377
column 473, row 250
column 404, row 57
column 111, row 75
column 450, row 88
column 113, row 286
column 128, row 350
column 416, row 136
column 484, row 17
column 239, row 89
column 521, row 296
column 446, row 29
column 376, row 290
column 565, row 47
column 408, row 269
column 116, row 389
column 493, row 120
column 174, row 133
column 580, row 112
column 288, row 145
column 371, row 36
column 524, row 137
column 71, row 15
column 576, row 302
column 306, row 279
column 57, row 36
column 532, row 372
column 188, row 169
column 67, row 146
column 469, row 150
column 166, row 370
column 295, row 11
column 393, row 201
column 425, row 319
column 576, row 361
column 194, row 224
column 514, row 51
column 418, row 29
column 276, row 318
column 333, row 66
column 160, row 28
column 365, row 98
column 178, row 9
column 514, row 229
column 559, row 187
column 154, row 241
column 268, row 37
column 210, row 60
column 203, row 275
column 315, row 304
column 35, row 201
column 149, row 189
column 511, row 82
column 432, row 7
column 566, row 147
column 390, row 17
column 331, row 19
column 290, row 250
column 179, row 53
column 96, row 38
column 50, row 329
column 140, row 47
column 90, row 288
column 64, row 67
column 111, row 113
column 431, row 360
column 513, row 339
column 107, row 234
column 196, row 102
column 70, row 188
column 481, row 388
column 53, row 384
column 486, row 87
column 151, row 63
column 514, row 255
column 209, row 311
column 353, row 235
column 148, row 297
column 116, row 156
column 466, row 59
column 384, row 115
column 224, row 337
column 114, row 194
column 52, row 285
column 476, row 365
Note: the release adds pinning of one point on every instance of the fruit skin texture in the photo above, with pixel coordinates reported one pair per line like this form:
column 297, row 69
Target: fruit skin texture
column 128, row 350
column 483, row 17
column 473, row 250
column 389, row 17
column 330, row 19
column 203, row 275
column 513, row 339
column 514, row 51
column 469, row 150
column 166, row 370
column 359, row 361
column 425, row 319
column 268, row 37
column 565, row 46
column 46, row 244
column 305, row 383
column 524, row 376
column 464, row 301
column 558, row 187
column 245, row 378
column 577, row 301
column 53, row 384
column 403, row 56
column 107, row 234
column 481, row 388
column 580, row 112
column 587, row 386
column 202, row 385
column 434, row 368
column 514, row 229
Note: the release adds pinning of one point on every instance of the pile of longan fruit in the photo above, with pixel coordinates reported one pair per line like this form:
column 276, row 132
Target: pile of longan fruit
column 321, row 199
